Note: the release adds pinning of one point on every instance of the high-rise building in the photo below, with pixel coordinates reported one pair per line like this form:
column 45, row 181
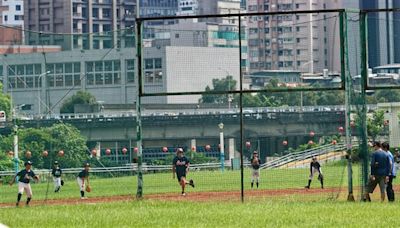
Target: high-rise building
column 383, row 31
column 287, row 42
column 12, row 17
column 100, row 18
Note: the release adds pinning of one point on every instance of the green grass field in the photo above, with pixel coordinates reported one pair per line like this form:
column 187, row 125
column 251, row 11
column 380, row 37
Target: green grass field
column 149, row 213
column 335, row 176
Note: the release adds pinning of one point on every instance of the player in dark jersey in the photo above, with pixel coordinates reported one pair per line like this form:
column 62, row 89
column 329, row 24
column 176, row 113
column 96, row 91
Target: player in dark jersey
column 82, row 176
column 255, row 164
column 180, row 166
column 315, row 167
column 24, row 177
column 56, row 172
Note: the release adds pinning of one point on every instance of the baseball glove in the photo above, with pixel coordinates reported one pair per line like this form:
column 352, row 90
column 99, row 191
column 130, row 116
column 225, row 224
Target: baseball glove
column 62, row 182
column 88, row 189
column 320, row 177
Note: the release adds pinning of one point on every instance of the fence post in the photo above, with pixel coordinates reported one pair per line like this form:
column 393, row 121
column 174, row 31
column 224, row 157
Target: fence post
column 347, row 84
column 241, row 111
column 363, row 115
column 139, row 93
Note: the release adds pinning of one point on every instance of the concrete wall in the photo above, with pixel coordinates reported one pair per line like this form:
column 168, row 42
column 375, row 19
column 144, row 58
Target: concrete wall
column 191, row 69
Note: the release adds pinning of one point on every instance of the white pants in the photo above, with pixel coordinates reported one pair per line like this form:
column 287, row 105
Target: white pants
column 313, row 171
column 25, row 187
column 81, row 183
column 57, row 182
column 255, row 175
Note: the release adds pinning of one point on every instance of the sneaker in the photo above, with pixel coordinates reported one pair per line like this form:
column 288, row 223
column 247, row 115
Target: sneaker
column 308, row 187
column 191, row 183
column 82, row 198
column 17, row 204
column 183, row 194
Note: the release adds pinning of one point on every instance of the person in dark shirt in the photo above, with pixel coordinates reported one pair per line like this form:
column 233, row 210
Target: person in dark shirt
column 82, row 176
column 255, row 165
column 24, row 177
column 56, row 172
column 180, row 167
column 314, row 168
column 392, row 175
column 380, row 171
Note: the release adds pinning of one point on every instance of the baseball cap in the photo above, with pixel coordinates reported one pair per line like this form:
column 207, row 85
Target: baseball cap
column 55, row 162
column 86, row 164
column 28, row 163
column 255, row 152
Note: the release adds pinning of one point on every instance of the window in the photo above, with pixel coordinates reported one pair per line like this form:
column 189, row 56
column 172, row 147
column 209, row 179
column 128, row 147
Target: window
column 298, row 29
column 95, row 12
column 5, row 18
column 148, row 63
column 106, row 28
column 95, row 27
column 18, row 7
column 157, row 63
column 130, row 73
column 106, row 13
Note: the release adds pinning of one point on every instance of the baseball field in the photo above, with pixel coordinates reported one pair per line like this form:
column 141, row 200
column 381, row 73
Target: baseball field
column 281, row 200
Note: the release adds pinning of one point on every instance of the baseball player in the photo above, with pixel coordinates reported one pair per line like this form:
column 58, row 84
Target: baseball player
column 56, row 172
column 24, row 177
column 180, row 166
column 315, row 167
column 82, row 176
column 255, row 164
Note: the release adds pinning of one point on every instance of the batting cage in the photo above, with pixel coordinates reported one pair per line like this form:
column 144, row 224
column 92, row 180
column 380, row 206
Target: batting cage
column 277, row 105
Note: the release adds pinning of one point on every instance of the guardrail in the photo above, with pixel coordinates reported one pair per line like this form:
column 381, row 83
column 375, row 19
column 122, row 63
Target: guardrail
column 302, row 155
column 122, row 114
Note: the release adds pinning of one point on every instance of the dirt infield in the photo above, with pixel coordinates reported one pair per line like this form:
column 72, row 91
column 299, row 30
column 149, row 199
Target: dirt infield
column 192, row 196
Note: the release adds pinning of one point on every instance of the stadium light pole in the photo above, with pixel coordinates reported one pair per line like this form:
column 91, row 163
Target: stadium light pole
column 40, row 89
column 221, row 143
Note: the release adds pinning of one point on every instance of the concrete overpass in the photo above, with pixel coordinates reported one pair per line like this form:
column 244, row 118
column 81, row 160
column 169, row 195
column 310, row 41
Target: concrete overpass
column 265, row 129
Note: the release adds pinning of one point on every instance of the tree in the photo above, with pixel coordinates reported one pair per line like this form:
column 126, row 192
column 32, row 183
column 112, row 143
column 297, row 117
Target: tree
column 81, row 97
column 375, row 124
column 220, row 85
column 5, row 102
column 387, row 95
column 53, row 139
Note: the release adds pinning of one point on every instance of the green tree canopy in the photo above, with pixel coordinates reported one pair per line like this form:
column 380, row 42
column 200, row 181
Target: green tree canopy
column 81, row 97
column 53, row 139
column 5, row 102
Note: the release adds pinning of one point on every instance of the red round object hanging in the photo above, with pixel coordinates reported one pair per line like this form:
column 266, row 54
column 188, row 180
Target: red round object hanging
column 248, row 144
column 45, row 153
column 193, row 148
column 334, row 142
column 165, row 149
column 124, row 150
column 108, row 151
column 208, row 147
column 341, row 129
column 28, row 154
column 61, row 153
column 312, row 134
column 284, row 142
column 310, row 142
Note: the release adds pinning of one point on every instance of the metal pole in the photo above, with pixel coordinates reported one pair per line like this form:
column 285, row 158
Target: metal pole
column 241, row 112
column 139, row 93
column 348, row 86
column 221, row 143
column 363, row 115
